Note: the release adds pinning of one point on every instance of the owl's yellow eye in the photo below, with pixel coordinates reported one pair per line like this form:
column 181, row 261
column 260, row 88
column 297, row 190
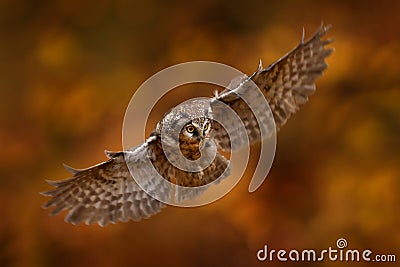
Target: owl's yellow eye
column 206, row 126
column 190, row 129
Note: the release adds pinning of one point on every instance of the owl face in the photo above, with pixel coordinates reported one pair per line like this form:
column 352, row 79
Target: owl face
column 197, row 130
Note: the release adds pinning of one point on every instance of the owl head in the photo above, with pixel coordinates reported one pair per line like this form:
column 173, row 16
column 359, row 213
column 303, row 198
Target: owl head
column 197, row 129
column 193, row 121
column 193, row 137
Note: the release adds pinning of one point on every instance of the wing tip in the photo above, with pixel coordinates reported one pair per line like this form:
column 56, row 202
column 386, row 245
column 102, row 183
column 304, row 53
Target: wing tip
column 70, row 169
column 111, row 154
column 45, row 193
column 51, row 182
column 260, row 67
column 323, row 29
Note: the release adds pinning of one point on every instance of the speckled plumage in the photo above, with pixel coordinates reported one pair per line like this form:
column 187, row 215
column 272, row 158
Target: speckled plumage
column 107, row 193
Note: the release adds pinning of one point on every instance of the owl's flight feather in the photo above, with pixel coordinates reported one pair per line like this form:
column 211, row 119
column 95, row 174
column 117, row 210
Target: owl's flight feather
column 103, row 193
column 107, row 192
column 286, row 84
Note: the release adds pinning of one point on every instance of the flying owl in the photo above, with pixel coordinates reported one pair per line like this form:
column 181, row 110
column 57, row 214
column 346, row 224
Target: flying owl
column 107, row 192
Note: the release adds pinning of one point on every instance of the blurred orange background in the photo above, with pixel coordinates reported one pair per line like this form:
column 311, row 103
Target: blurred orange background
column 69, row 68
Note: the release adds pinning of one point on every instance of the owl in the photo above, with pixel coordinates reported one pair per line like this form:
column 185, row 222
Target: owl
column 108, row 193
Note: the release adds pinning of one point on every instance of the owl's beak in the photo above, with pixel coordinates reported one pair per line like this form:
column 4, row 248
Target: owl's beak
column 202, row 142
column 203, row 134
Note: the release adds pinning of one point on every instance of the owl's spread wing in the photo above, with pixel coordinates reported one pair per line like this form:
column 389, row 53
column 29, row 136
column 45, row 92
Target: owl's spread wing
column 285, row 84
column 107, row 193
column 288, row 82
column 103, row 193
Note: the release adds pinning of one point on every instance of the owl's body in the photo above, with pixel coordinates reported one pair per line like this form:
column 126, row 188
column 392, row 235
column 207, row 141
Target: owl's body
column 107, row 192
column 190, row 148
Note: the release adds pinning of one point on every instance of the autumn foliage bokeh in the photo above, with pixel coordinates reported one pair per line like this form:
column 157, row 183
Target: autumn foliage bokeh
column 69, row 68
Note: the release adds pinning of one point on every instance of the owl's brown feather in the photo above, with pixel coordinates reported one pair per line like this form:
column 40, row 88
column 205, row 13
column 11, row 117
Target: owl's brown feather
column 107, row 193
column 104, row 193
column 286, row 84
column 289, row 82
